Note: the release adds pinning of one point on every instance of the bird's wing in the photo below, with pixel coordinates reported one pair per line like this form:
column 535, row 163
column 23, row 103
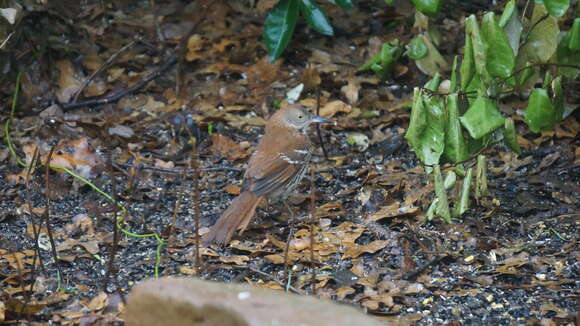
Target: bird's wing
column 270, row 170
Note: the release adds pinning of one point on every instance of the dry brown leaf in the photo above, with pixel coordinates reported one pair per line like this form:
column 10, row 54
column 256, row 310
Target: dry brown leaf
column 98, row 302
column 334, row 107
column 351, row 90
column 78, row 156
column 233, row 190
column 68, row 83
column 225, row 146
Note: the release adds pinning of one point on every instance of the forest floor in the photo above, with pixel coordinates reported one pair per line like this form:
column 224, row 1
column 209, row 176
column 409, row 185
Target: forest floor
column 512, row 258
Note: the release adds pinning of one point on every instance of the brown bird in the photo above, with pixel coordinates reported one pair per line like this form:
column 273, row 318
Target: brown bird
column 274, row 170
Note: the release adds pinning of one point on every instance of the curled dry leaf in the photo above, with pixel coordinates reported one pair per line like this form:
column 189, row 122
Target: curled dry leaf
column 334, row 107
column 78, row 156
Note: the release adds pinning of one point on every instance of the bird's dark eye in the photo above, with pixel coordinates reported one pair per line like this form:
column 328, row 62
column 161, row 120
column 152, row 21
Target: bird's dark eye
column 299, row 117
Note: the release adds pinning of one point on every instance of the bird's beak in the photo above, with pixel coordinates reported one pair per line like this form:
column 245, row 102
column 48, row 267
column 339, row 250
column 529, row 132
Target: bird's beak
column 317, row 119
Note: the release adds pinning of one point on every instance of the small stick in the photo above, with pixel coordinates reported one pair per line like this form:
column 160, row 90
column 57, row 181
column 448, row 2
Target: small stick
column 47, row 215
column 87, row 81
column 318, row 125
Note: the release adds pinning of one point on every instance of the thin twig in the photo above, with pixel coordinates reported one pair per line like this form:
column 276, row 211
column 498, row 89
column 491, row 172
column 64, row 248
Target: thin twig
column 168, row 63
column 318, row 125
column 174, row 171
column 312, row 229
column 47, row 215
column 111, row 271
column 87, row 81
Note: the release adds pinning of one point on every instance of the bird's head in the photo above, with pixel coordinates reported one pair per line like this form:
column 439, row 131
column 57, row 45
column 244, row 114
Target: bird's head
column 297, row 117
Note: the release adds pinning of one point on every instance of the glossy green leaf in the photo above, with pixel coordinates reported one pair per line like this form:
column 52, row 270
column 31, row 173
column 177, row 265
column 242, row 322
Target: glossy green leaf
column 574, row 36
column 442, row 208
column 433, row 83
column 463, row 204
column 478, row 44
column 467, row 69
column 344, row 4
column 508, row 11
column 315, row 17
column 426, row 133
column 542, row 41
column 557, row 7
column 416, row 49
column 454, row 77
column 541, row 114
column 433, row 62
column 383, row 62
column 566, row 56
column 455, row 144
column 482, row 118
column 430, row 8
column 510, row 136
column 513, row 26
column 279, row 27
column 500, row 61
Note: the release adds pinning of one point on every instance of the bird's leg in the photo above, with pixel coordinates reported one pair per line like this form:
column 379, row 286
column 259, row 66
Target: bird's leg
column 290, row 234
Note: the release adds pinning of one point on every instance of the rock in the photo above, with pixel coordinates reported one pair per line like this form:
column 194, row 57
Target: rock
column 190, row 301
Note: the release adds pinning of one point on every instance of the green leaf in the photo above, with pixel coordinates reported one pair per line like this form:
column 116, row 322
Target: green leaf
column 479, row 46
column 541, row 114
column 510, row 136
column 426, row 133
column 453, row 81
column 482, row 118
column 430, row 8
column 433, row 62
column 383, row 61
column 315, row 17
column 463, row 204
column 513, row 26
column 508, row 11
column 455, row 144
column 442, row 208
column 389, row 2
column 279, row 26
column 467, row 69
column 557, row 8
column 500, row 61
column 567, row 56
column 574, row 38
column 542, row 40
column 433, row 83
column 481, row 178
column 344, row 4
column 416, row 49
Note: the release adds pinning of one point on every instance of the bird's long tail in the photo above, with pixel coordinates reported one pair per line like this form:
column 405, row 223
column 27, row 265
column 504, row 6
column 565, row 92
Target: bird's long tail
column 236, row 216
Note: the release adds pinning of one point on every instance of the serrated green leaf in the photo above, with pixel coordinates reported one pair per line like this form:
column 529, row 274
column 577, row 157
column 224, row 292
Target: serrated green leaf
column 500, row 62
column 279, row 27
column 430, row 8
column 455, row 144
column 541, row 114
column 557, row 8
column 315, row 17
column 510, row 136
column 482, row 118
column 416, row 49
